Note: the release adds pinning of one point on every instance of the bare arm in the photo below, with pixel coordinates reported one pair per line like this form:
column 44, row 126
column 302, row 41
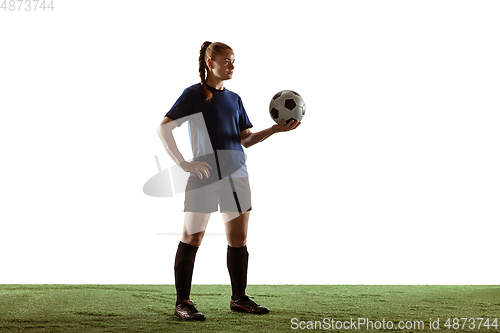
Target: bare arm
column 165, row 133
column 248, row 138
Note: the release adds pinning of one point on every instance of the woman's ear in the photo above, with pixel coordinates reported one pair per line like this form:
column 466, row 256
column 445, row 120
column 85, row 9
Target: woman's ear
column 209, row 64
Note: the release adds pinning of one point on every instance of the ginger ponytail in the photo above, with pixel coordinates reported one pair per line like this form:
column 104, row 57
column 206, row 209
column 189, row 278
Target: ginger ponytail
column 208, row 51
column 203, row 67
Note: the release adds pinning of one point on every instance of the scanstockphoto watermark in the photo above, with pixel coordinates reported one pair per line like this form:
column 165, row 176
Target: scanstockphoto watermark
column 171, row 181
column 226, row 184
column 433, row 324
column 355, row 324
column 27, row 5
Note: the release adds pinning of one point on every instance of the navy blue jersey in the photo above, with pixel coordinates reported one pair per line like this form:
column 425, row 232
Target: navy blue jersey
column 214, row 128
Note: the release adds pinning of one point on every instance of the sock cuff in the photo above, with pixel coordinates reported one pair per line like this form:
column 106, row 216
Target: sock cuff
column 242, row 249
column 188, row 248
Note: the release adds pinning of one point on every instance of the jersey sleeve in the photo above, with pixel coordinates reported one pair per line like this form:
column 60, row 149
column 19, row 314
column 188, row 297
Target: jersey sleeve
column 182, row 108
column 244, row 121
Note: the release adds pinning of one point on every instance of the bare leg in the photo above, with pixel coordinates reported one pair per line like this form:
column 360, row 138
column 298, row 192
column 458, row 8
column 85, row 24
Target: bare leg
column 194, row 228
column 236, row 228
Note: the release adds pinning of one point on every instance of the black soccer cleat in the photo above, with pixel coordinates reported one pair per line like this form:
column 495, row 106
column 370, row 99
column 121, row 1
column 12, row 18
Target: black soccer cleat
column 246, row 305
column 186, row 310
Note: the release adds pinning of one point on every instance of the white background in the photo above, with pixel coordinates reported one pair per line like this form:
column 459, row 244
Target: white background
column 392, row 177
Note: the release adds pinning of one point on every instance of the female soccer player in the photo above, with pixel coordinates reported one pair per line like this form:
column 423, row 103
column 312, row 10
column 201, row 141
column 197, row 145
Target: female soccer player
column 219, row 126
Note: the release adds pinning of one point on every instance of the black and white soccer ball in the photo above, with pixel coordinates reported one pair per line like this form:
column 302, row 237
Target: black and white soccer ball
column 287, row 105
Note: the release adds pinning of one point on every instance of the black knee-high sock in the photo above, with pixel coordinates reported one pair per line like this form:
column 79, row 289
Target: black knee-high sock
column 183, row 269
column 237, row 265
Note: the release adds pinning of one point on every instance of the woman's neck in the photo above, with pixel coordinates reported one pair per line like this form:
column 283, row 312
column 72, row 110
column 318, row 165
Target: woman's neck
column 215, row 82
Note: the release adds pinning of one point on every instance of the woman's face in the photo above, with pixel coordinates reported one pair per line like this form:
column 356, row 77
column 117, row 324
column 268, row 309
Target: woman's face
column 223, row 65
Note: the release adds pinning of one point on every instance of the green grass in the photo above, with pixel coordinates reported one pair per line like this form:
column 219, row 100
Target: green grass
column 149, row 308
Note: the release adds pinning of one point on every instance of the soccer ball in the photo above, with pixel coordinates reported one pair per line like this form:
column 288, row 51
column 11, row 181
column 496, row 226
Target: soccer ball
column 287, row 105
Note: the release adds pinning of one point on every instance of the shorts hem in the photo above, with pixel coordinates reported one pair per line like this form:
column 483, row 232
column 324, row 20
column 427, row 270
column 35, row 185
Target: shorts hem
column 234, row 211
column 220, row 210
column 198, row 211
